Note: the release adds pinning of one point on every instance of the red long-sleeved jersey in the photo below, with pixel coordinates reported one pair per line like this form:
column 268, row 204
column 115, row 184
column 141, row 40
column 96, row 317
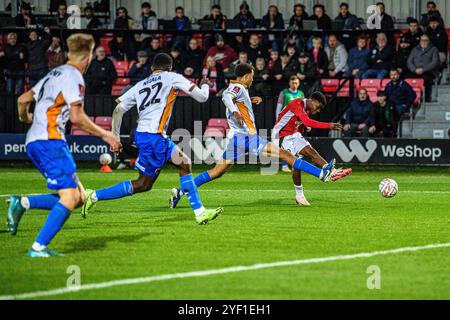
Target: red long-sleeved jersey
column 294, row 118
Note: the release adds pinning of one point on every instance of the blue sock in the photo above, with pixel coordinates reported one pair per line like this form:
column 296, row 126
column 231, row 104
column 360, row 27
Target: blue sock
column 202, row 178
column 119, row 190
column 55, row 220
column 305, row 166
column 190, row 189
column 43, row 201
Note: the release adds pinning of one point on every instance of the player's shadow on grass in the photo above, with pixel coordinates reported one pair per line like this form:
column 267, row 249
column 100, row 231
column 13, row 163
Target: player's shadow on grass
column 99, row 243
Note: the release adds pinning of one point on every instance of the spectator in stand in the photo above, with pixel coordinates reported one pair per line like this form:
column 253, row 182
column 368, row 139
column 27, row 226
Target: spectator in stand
column 318, row 57
column 323, row 20
column 387, row 23
column 337, row 57
column 237, row 43
column 357, row 117
column 175, row 54
column 101, row 74
column 383, row 118
column 242, row 59
column 141, row 69
column 401, row 56
column 380, row 59
column 62, row 16
column 123, row 20
column 101, row 6
column 438, row 37
column 273, row 20
column 192, row 60
column 296, row 21
column 152, row 46
column 37, row 55
column 283, row 70
column 357, row 59
column 261, row 78
column 89, row 21
column 274, row 57
column 412, row 36
column 217, row 17
column 350, row 22
column 306, row 71
column 292, row 41
column 148, row 19
column 120, row 51
column 14, row 59
column 54, row 4
column 292, row 52
column 424, row 62
column 214, row 72
column 245, row 18
column 25, row 18
column 222, row 53
column 399, row 93
column 255, row 49
column 55, row 54
column 289, row 94
column 432, row 12
column 182, row 23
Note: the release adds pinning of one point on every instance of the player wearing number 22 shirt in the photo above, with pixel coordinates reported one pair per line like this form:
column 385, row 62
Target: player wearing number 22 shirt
column 154, row 98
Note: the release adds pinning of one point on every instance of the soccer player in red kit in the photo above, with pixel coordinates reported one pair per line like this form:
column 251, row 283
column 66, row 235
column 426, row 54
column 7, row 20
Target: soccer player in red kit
column 291, row 123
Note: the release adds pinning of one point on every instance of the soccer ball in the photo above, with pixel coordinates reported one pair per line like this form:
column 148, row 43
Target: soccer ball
column 388, row 188
column 105, row 158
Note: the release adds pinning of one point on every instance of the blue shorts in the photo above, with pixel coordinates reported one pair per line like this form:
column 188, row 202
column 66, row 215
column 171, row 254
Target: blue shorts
column 154, row 151
column 55, row 162
column 242, row 144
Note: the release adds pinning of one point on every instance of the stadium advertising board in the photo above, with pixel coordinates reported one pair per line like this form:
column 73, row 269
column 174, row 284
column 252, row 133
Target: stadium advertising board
column 84, row 148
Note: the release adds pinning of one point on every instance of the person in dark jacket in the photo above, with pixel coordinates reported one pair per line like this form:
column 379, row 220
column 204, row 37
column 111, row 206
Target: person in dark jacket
column 101, row 74
column 380, row 58
column 386, row 23
column 182, row 22
column 54, row 4
column 152, row 46
column 217, row 17
column 37, row 55
column 401, row 57
column 357, row 59
column 14, row 60
column 141, row 69
column 432, row 12
column 306, row 71
column 323, row 20
column 120, row 51
column 245, row 18
column 192, row 60
column 357, row 117
column 350, row 22
column 423, row 62
column 318, row 57
column 383, row 118
column 89, row 21
column 25, row 18
column 412, row 36
column 123, row 20
column 261, row 83
column 283, row 70
column 399, row 93
column 438, row 37
column 175, row 54
column 273, row 20
column 62, row 16
column 300, row 14
column 255, row 49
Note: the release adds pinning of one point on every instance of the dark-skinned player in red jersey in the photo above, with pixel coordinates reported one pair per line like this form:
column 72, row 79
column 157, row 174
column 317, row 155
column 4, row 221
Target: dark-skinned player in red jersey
column 291, row 124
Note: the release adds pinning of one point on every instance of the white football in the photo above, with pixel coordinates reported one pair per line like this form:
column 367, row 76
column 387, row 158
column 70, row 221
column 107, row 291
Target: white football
column 388, row 188
column 105, row 158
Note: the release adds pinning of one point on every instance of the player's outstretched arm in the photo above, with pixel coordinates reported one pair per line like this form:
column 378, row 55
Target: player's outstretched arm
column 79, row 117
column 23, row 105
column 200, row 93
column 117, row 116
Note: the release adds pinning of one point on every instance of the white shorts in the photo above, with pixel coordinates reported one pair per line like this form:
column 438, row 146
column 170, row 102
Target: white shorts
column 294, row 143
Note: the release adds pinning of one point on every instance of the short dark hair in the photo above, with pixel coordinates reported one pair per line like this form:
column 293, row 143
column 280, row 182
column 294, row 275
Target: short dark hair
column 321, row 6
column 343, row 4
column 162, row 61
column 146, row 5
column 412, row 20
column 242, row 69
column 319, row 97
column 381, row 93
column 431, row 2
column 394, row 69
column 216, row 6
column 179, row 8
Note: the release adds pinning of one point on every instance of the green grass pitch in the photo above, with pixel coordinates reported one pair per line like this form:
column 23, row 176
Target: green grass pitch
column 139, row 237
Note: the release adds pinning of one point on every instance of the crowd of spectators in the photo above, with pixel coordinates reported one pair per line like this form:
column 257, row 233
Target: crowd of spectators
column 420, row 51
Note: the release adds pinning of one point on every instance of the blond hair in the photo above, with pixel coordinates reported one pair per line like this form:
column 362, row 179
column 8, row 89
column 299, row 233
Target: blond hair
column 80, row 45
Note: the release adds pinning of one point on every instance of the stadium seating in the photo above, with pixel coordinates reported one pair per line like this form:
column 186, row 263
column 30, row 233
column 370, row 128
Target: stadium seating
column 218, row 123
column 214, row 132
column 117, row 90
column 121, row 68
column 371, row 85
column 104, row 42
column 104, row 122
column 122, row 82
column 77, row 131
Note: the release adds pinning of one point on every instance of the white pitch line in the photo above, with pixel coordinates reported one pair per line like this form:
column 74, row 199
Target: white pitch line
column 205, row 273
column 284, row 191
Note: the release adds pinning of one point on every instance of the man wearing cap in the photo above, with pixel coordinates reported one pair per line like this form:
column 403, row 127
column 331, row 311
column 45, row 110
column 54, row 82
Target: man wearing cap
column 141, row 69
column 222, row 53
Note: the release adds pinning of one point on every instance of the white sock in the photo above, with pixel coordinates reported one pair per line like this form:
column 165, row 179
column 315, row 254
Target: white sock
column 25, row 202
column 199, row 211
column 94, row 197
column 299, row 190
column 37, row 247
